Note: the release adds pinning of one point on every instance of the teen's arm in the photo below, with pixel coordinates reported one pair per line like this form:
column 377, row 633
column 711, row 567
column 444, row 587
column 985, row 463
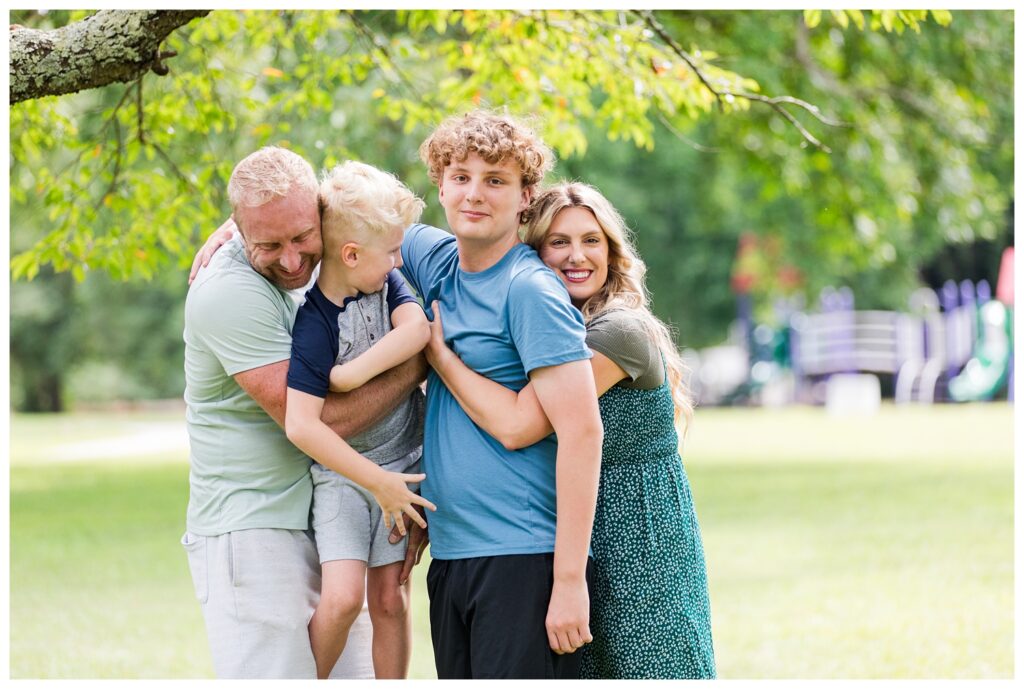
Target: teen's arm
column 347, row 414
column 311, row 435
column 220, row 236
column 516, row 420
column 409, row 334
column 567, row 394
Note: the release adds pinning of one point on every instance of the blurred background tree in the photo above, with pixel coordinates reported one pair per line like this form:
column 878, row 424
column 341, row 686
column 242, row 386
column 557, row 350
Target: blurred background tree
column 115, row 186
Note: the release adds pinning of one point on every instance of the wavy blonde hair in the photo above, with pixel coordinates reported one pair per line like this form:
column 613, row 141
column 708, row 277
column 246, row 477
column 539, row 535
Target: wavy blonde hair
column 493, row 137
column 625, row 288
column 359, row 202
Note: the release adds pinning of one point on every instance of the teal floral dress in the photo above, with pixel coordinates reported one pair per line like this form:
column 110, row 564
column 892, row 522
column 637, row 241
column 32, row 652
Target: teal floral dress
column 650, row 614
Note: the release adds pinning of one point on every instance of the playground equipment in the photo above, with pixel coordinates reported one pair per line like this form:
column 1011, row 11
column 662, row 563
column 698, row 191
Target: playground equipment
column 962, row 352
column 837, row 353
column 952, row 345
column 991, row 365
column 957, row 347
column 924, row 333
column 986, row 373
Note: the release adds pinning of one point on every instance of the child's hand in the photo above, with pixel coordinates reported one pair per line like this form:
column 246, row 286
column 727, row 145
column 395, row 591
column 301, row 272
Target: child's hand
column 344, row 378
column 395, row 499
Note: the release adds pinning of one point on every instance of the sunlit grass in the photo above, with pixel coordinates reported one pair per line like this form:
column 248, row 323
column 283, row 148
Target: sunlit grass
column 877, row 547
column 858, row 547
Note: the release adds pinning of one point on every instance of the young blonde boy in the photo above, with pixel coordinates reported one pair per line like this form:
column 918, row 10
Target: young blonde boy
column 358, row 321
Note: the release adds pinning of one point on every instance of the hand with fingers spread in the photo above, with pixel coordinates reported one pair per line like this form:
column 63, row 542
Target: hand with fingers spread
column 219, row 238
column 395, row 535
column 390, row 491
column 568, row 618
column 419, row 539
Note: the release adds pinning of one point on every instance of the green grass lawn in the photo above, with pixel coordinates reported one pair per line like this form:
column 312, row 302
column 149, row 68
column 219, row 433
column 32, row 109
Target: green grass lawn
column 856, row 548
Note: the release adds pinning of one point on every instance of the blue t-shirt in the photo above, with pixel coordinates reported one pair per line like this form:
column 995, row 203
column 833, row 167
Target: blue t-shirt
column 315, row 336
column 502, row 322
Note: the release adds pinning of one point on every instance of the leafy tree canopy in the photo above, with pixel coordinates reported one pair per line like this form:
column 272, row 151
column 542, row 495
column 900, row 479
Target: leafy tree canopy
column 686, row 120
column 131, row 174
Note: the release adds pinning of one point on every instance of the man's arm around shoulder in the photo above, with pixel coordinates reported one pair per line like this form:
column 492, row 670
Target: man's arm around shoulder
column 347, row 413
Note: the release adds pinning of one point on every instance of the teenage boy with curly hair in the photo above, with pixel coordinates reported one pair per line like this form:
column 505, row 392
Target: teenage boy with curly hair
column 510, row 537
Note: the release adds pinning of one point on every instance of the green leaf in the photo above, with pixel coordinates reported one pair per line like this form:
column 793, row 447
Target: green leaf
column 887, row 17
column 25, row 266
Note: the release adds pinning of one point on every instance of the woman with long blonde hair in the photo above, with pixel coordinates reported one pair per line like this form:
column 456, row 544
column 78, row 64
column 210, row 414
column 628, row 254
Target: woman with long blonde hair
column 650, row 609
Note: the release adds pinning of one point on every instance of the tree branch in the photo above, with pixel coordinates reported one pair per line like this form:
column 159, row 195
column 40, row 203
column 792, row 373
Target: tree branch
column 116, row 174
column 112, row 120
column 376, row 44
column 775, row 102
column 688, row 141
column 107, row 47
column 141, row 130
column 822, row 78
column 665, row 36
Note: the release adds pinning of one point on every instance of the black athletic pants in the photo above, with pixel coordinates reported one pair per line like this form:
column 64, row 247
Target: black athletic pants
column 487, row 618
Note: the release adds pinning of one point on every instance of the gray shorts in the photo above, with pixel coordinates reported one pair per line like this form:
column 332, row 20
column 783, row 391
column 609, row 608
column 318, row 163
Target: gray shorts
column 348, row 522
column 257, row 589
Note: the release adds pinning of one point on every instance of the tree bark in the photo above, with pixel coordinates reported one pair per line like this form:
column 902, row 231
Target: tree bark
column 109, row 46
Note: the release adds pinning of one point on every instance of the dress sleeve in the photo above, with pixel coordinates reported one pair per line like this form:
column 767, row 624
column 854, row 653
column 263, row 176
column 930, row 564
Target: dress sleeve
column 621, row 337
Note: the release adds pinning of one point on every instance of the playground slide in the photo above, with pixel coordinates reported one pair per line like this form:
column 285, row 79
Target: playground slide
column 985, row 374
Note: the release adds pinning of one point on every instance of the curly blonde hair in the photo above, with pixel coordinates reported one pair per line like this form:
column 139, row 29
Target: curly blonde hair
column 359, row 202
column 493, row 137
column 625, row 288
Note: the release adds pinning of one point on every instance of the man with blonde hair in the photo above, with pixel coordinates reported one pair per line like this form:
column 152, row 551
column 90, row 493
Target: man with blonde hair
column 252, row 557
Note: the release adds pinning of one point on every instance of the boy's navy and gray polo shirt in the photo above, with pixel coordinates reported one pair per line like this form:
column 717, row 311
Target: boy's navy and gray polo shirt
column 326, row 334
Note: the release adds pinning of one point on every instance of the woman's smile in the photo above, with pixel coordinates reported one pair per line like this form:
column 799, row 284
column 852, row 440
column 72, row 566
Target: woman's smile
column 577, row 275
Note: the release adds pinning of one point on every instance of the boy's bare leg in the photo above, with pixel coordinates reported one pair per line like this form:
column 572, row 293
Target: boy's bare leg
column 392, row 621
column 343, row 590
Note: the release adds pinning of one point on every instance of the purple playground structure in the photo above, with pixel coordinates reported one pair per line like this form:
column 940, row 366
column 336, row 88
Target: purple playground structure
column 952, row 346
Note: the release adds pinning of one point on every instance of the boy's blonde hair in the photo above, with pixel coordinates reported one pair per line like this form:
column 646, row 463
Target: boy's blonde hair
column 359, row 202
column 493, row 137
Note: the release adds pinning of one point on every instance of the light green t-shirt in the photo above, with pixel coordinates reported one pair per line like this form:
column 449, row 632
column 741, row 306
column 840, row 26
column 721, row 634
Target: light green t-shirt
column 245, row 474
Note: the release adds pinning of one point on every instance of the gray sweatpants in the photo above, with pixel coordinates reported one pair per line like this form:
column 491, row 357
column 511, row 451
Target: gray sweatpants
column 258, row 589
